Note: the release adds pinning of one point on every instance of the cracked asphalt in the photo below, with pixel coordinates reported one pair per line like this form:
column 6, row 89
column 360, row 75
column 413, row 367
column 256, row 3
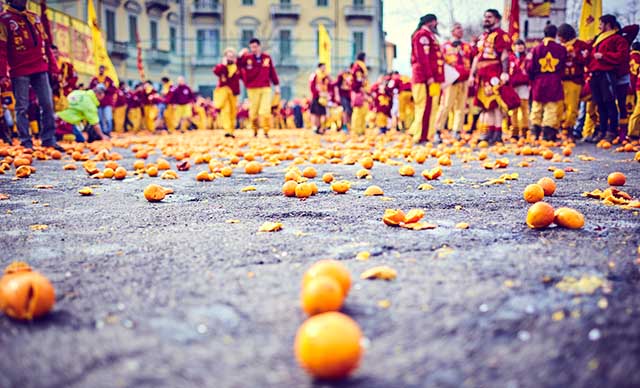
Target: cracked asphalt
column 172, row 295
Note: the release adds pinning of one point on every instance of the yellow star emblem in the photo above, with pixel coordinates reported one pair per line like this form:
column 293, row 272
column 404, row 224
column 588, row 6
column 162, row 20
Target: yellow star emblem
column 548, row 63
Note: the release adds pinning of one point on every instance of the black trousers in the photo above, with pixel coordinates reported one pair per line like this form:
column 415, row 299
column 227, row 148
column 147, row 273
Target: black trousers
column 603, row 92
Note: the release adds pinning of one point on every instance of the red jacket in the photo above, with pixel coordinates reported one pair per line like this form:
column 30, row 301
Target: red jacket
column 426, row 57
column 577, row 57
column 546, row 69
column 459, row 55
column 180, row 95
column 24, row 48
column 634, row 69
column 110, row 93
column 517, row 70
column 319, row 84
column 343, row 83
column 382, row 100
column 614, row 49
column 228, row 75
column 258, row 72
column 358, row 76
column 121, row 98
column 68, row 77
column 490, row 48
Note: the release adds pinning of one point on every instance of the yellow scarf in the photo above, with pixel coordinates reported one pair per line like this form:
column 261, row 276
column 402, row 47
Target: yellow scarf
column 603, row 36
column 363, row 67
column 231, row 69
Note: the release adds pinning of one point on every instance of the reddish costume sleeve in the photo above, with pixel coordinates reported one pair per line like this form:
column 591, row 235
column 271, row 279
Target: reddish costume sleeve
column 617, row 54
column 4, row 65
column 219, row 70
column 422, row 46
column 273, row 75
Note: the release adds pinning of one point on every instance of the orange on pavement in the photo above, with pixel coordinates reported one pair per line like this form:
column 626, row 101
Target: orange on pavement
column 320, row 295
column 331, row 268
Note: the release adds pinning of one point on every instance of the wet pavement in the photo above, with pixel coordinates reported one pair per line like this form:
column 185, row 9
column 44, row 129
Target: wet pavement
column 172, row 294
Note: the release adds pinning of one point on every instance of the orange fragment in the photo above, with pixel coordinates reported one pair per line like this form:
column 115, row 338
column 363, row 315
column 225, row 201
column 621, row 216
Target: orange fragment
column 328, row 346
column 540, row 215
column 163, row 164
column 373, row 190
column 407, row 170
column 569, row 218
column 23, row 172
column 309, row 172
column 85, row 191
column 432, row 174
column 155, row 193
column 253, row 168
column 340, row 187
column 204, row 176
column 303, row 190
column 413, row 216
column 533, row 193
column 327, row 178
column 108, row 173
column 558, row 173
column 393, row 217
column 26, row 294
column 320, row 295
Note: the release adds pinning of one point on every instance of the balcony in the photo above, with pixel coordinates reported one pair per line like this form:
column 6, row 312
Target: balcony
column 119, row 50
column 353, row 12
column 205, row 61
column 285, row 11
column 211, row 8
column 160, row 57
column 157, row 6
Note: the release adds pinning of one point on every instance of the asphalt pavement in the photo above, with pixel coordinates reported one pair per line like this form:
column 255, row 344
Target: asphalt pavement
column 173, row 294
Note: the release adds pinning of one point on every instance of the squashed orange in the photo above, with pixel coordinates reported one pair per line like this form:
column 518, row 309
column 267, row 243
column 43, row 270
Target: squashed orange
column 569, row 218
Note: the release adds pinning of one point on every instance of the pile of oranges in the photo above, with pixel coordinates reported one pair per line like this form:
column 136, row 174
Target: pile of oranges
column 328, row 345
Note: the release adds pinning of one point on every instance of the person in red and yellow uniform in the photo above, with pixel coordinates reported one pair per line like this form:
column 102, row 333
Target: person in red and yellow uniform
column 634, row 67
column 609, row 51
column 258, row 73
column 225, row 97
column 343, row 93
column 26, row 60
column 546, row 69
column 134, row 111
column 574, row 77
column 359, row 85
column 490, row 68
column 382, row 97
column 180, row 97
column 519, row 80
column 405, row 103
column 105, row 111
column 319, row 88
column 457, row 54
column 150, row 106
column 427, row 65
column 120, row 108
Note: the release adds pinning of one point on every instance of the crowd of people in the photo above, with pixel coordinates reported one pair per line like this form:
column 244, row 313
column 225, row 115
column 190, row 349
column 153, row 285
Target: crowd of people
column 490, row 86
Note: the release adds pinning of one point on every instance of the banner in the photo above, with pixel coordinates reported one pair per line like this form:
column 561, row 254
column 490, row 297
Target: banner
column 324, row 47
column 513, row 17
column 100, row 54
column 589, row 19
column 140, row 62
column 73, row 38
column 539, row 9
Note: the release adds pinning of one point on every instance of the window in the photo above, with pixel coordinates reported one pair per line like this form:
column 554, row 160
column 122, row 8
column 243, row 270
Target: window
column 133, row 29
column 358, row 3
column 110, row 18
column 208, row 43
column 153, row 34
column 358, row 43
column 285, row 44
column 322, row 3
column 247, row 35
column 173, row 39
column 285, row 2
column 247, row 2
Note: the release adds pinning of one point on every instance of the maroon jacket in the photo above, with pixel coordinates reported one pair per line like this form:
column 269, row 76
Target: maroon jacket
column 258, row 72
column 517, row 70
column 180, row 95
column 577, row 57
column 546, row 69
column 24, row 47
column 318, row 84
column 121, row 98
column 613, row 47
column 426, row 57
column 343, row 83
column 232, row 81
column 110, row 93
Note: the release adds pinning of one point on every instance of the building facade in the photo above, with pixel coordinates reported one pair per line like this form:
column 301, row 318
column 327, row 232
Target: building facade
column 532, row 28
column 188, row 36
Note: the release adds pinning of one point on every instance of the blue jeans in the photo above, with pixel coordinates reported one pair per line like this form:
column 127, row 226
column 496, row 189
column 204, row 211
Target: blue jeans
column 105, row 113
column 78, row 134
column 40, row 84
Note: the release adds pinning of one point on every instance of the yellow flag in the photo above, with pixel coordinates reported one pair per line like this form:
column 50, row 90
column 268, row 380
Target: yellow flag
column 100, row 54
column 589, row 19
column 324, row 47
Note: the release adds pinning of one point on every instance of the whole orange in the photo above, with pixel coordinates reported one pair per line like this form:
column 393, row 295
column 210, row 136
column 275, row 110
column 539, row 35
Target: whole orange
column 304, row 190
column 331, row 268
column 289, row 188
column 540, row 215
column 616, row 179
column 328, row 346
column 533, row 193
column 548, row 185
column 569, row 218
column 320, row 295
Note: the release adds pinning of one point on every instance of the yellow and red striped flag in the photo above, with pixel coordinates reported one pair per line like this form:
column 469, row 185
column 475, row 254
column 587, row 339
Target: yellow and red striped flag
column 140, row 62
column 513, row 16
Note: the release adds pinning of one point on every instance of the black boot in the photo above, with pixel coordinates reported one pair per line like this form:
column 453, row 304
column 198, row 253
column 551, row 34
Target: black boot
column 535, row 132
column 550, row 134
